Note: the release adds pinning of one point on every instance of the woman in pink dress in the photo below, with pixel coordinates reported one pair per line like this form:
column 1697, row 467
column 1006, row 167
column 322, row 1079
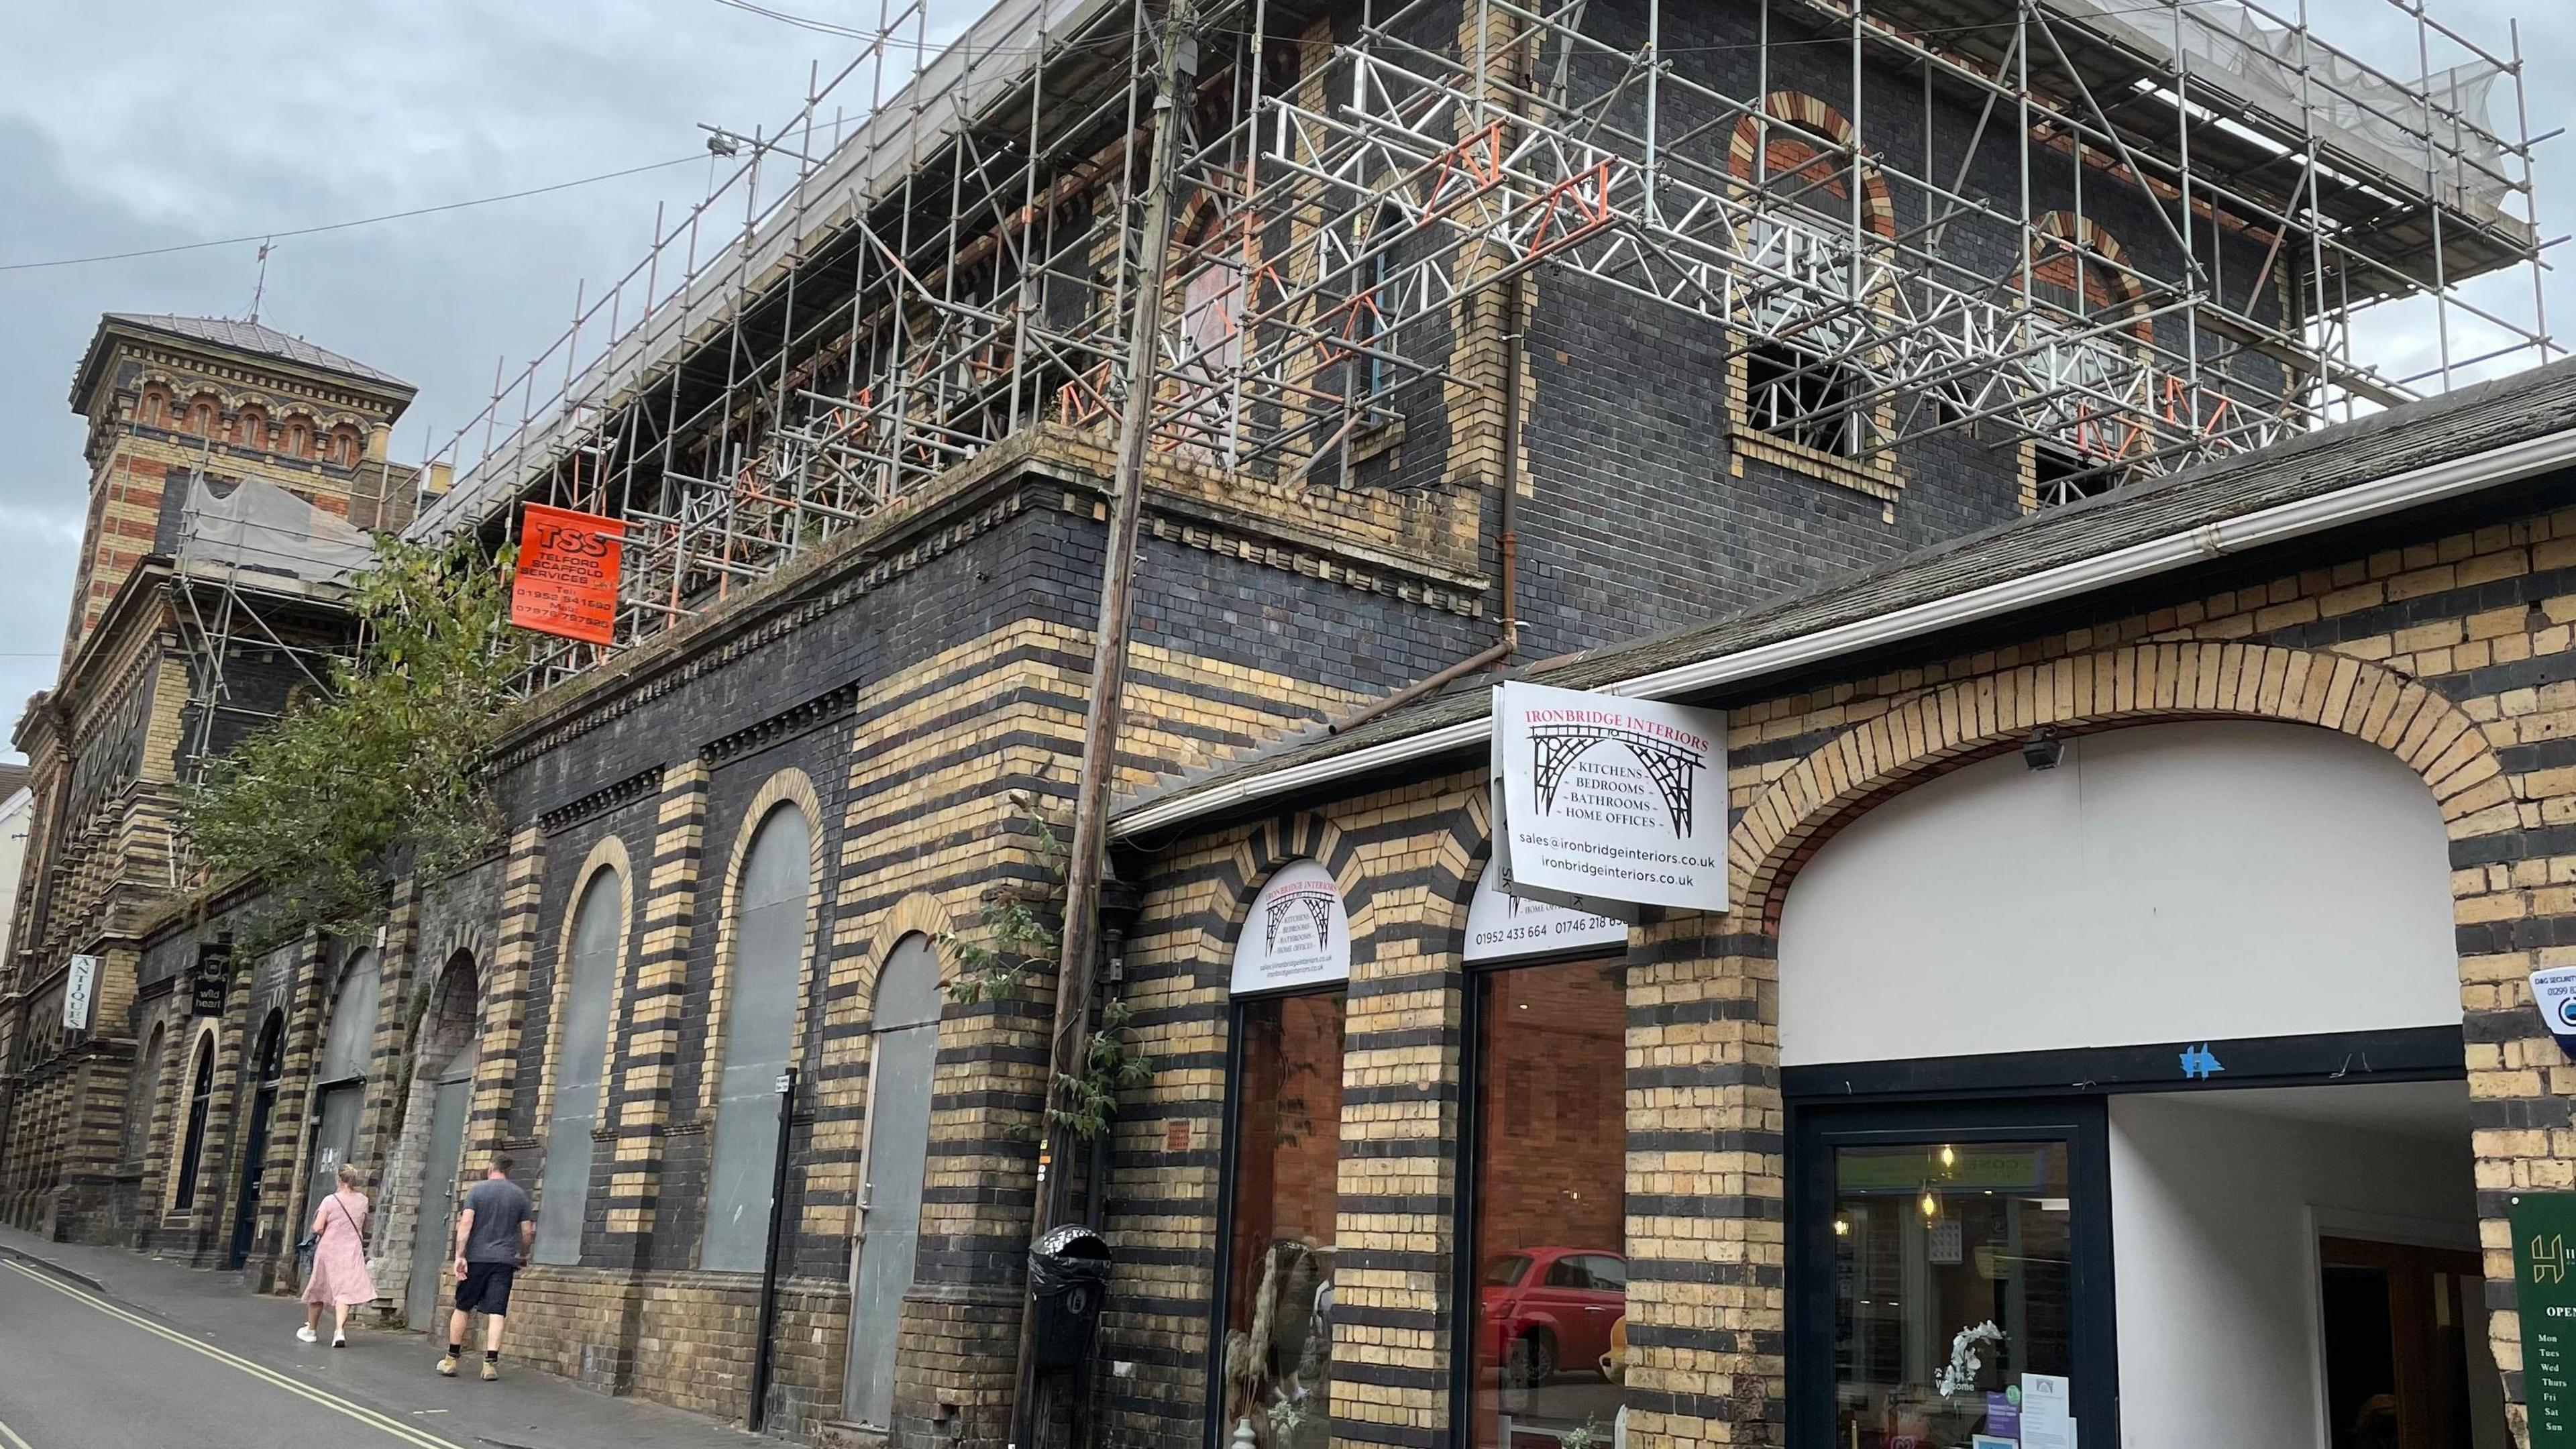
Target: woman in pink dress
column 339, row 1277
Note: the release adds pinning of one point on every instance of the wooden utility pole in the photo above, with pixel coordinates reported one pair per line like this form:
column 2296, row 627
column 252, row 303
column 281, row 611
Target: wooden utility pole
column 1087, row 860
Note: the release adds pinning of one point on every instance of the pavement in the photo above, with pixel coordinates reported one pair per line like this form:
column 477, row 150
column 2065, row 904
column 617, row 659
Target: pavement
column 101, row 1348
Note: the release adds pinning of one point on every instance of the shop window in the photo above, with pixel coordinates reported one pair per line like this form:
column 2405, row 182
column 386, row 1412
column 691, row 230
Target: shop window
column 759, row 1036
column 581, row 1061
column 1952, row 1266
column 1945, row 1256
column 1283, row 1200
column 1548, row 1200
column 192, row 1152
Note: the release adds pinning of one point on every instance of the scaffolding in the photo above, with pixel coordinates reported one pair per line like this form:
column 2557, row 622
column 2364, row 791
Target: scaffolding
column 862, row 303
column 260, row 582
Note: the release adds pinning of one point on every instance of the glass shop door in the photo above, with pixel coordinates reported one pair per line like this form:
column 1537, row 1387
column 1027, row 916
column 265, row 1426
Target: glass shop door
column 1950, row 1281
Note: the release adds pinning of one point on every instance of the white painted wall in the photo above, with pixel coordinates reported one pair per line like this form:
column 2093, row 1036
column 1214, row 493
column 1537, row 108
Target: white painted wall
column 17, row 818
column 2215, row 1212
column 2179, row 882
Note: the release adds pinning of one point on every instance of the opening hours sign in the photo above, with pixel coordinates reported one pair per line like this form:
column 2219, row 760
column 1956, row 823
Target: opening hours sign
column 567, row 579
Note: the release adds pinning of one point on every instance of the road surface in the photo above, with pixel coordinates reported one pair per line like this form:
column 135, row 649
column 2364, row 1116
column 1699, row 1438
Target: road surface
column 80, row 1369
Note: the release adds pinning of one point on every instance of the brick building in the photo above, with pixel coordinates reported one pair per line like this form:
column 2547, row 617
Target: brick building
column 233, row 474
column 1441, row 389
column 2220, row 1019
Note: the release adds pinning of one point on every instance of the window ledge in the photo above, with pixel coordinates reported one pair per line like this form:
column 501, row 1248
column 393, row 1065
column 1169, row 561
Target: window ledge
column 1879, row 478
column 1367, row 443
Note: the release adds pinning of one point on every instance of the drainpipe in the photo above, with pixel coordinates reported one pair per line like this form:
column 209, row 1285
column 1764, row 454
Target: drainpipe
column 761, row 1351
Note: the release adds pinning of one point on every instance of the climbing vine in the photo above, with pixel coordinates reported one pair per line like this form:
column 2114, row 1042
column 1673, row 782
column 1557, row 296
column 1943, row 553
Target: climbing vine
column 1014, row 937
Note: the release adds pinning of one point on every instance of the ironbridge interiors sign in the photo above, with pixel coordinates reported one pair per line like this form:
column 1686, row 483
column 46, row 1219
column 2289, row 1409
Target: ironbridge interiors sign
column 1502, row 926
column 1297, row 934
column 1607, row 803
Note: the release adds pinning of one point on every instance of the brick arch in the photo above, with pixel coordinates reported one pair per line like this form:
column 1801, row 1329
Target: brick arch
column 2083, row 236
column 918, row 914
column 1280, row 842
column 1794, row 152
column 789, row 788
column 1971, row 719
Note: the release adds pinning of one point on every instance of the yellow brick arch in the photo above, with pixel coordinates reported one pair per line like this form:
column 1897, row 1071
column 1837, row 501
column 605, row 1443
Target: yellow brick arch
column 1971, row 719
column 917, row 914
column 1283, row 841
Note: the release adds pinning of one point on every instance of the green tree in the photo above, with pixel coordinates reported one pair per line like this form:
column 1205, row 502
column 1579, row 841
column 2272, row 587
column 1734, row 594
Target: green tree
column 318, row 804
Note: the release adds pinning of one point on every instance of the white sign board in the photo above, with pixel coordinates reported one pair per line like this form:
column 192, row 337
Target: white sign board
column 1604, row 804
column 80, row 993
column 2553, row 990
column 1297, row 934
column 1501, row 926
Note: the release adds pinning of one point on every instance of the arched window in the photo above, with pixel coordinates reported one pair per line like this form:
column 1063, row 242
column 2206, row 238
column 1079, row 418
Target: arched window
column 344, row 446
column 202, row 417
column 1369, row 319
column 581, row 1063
column 251, row 428
column 201, row 1094
column 1816, row 197
column 140, row 1093
column 903, row 1036
column 299, row 438
column 155, row 411
column 762, row 991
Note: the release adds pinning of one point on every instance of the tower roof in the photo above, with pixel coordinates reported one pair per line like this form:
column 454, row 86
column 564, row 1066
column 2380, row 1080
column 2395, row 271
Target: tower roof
column 238, row 336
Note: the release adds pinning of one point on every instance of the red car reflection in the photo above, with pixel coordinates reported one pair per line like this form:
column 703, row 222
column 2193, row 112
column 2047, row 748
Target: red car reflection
column 1551, row 1307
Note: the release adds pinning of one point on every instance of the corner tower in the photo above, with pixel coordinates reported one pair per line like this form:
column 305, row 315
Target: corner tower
column 169, row 396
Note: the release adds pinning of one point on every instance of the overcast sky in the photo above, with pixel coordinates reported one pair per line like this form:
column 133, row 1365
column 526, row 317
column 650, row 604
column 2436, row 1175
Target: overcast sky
column 126, row 126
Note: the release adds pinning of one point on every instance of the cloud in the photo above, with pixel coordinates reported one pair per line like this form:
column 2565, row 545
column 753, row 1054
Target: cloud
column 212, row 121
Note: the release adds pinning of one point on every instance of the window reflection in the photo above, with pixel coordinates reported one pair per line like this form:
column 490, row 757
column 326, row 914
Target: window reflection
column 1279, row 1304
column 1550, row 1205
column 1952, row 1277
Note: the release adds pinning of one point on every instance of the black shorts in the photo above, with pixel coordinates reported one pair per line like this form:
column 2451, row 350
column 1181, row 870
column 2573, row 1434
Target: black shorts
column 486, row 1288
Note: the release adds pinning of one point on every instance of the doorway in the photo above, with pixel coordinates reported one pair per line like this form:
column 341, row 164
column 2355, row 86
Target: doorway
column 894, row 1163
column 2401, row 1328
column 263, row 1102
column 434, row 1226
column 1952, row 1275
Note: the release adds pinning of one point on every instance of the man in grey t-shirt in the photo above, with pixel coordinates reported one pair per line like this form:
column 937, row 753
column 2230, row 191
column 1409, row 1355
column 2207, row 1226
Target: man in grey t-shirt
column 493, row 1236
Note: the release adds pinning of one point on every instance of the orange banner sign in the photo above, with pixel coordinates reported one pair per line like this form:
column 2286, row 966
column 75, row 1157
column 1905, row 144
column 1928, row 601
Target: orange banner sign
column 567, row 583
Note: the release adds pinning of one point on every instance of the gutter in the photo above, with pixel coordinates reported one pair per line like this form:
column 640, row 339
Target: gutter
column 2415, row 488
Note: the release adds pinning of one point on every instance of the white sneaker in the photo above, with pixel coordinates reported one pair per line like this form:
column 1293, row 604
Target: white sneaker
column 339, row 1340
column 305, row 1334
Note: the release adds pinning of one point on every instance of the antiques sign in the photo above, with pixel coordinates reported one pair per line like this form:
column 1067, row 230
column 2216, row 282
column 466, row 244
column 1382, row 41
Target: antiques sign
column 80, row 993
column 1297, row 933
column 1604, row 804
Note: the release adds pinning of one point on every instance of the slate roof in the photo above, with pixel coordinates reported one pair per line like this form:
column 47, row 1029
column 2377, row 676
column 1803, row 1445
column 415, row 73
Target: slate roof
column 2471, row 420
column 252, row 337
